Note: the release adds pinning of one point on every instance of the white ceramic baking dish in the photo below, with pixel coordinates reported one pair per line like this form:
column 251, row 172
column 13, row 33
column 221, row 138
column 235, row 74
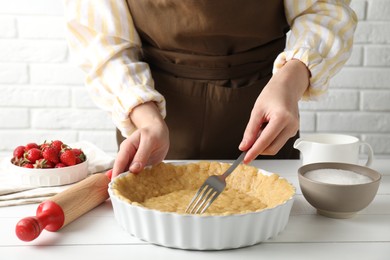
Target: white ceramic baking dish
column 198, row 232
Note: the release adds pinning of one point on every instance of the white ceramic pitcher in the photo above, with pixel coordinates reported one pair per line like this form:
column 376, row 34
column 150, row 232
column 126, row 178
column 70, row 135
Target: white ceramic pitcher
column 332, row 148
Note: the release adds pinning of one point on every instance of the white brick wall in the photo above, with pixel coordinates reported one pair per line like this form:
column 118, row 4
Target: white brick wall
column 42, row 95
column 359, row 97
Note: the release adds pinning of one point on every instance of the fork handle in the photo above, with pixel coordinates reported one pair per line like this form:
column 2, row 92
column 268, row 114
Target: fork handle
column 234, row 165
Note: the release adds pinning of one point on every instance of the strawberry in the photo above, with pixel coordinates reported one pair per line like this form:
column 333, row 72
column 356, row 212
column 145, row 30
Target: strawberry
column 68, row 158
column 57, row 144
column 42, row 164
column 50, row 153
column 28, row 165
column 77, row 151
column 44, row 145
column 19, row 152
column 50, row 164
column 59, row 165
column 32, row 155
column 29, row 146
column 18, row 161
column 78, row 160
column 79, row 155
column 47, row 155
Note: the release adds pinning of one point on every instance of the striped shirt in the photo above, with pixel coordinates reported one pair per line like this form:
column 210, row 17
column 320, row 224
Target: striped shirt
column 105, row 44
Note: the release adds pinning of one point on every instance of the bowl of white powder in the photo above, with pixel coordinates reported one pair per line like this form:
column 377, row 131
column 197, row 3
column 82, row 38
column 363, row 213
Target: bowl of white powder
column 338, row 190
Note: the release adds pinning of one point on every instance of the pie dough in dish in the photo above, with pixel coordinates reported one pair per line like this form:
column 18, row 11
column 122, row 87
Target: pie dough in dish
column 254, row 206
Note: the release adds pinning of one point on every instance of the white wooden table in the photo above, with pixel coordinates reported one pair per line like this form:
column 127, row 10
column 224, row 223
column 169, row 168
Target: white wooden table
column 96, row 235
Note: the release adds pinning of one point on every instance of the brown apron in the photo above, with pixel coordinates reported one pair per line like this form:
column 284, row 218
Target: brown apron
column 210, row 59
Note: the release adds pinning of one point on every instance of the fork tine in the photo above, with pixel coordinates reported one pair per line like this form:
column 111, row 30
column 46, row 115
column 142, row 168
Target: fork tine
column 214, row 194
column 207, row 193
column 203, row 199
column 210, row 190
column 195, row 199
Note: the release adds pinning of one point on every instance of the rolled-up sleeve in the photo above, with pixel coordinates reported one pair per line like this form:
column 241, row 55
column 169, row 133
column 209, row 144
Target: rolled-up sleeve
column 104, row 43
column 321, row 37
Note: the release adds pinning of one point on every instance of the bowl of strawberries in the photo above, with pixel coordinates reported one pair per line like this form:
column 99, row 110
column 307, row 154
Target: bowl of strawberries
column 51, row 163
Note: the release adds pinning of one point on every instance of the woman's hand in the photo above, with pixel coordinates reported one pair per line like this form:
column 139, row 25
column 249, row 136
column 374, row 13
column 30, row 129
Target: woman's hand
column 148, row 145
column 275, row 115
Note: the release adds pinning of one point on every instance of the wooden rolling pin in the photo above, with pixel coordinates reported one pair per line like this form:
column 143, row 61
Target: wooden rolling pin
column 66, row 206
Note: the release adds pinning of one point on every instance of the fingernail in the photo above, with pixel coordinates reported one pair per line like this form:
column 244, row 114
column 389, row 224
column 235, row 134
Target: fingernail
column 109, row 174
column 242, row 145
column 135, row 167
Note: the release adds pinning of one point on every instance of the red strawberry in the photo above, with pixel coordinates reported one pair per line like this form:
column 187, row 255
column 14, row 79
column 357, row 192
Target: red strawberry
column 78, row 160
column 44, row 145
column 79, row 155
column 59, row 165
column 19, row 151
column 28, row 165
column 50, row 153
column 42, row 164
column 77, row 151
column 57, row 144
column 32, row 155
column 50, row 164
column 31, row 145
column 18, row 161
column 68, row 158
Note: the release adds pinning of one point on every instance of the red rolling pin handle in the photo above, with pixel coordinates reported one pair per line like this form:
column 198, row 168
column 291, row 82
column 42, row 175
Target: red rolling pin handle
column 65, row 207
column 49, row 216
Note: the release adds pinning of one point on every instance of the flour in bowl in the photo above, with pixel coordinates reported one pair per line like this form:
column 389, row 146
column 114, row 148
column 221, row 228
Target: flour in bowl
column 337, row 176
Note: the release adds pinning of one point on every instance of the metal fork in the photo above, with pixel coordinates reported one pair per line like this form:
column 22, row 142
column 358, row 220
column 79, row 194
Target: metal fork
column 211, row 189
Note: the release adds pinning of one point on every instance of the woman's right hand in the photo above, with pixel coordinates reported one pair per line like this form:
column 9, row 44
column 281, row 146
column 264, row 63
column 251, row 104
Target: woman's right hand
column 148, row 145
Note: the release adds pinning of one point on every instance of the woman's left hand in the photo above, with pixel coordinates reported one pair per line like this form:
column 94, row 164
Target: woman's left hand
column 275, row 116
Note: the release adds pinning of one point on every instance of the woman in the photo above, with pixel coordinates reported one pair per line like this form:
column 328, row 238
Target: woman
column 204, row 79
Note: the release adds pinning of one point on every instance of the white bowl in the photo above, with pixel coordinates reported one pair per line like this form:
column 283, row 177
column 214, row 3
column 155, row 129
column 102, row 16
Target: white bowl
column 50, row 176
column 197, row 232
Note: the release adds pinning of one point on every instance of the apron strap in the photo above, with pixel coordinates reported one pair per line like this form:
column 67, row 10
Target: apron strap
column 202, row 67
column 193, row 72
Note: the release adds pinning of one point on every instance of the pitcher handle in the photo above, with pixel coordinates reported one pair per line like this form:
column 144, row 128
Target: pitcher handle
column 370, row 153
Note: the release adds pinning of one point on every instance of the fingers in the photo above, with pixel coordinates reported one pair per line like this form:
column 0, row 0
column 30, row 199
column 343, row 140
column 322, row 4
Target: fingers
column 133, row 155
column 278, row 142
column 142, row 148
column 252, row 131
column 271, row 139
column 263, row 142
column 141, row 156
column 125, row 155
